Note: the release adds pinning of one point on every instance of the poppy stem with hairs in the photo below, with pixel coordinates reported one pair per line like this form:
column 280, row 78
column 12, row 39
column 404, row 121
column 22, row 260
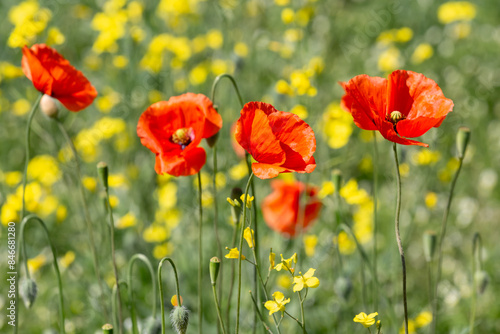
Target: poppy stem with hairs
column 398, row 236
column 216, row 218
column 243, row 223
column 24, row 222
column 200, row 255
column 375, row 224
column 476, row 266
column 160, row 285
column 86, row 214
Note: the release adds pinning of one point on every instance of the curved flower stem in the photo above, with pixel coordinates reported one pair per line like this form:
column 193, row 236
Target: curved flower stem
column 435, row 305
column 302, row 313
column 200, row 254
column 398, row 236
column 113, row 257
column 230, row 77
column 231, row 285
column 114, row 302
column 266, row 327
column 375, row 223
column 148, row 264
column 296, row 320
column 476, row 265
column 54, row 257
column 217, row 306
column 86, row 213
column 160, row 284
column 216, row 221
column 243, row 223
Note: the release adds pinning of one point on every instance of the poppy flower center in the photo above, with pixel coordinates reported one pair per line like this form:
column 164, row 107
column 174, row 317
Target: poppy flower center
column 182, row 137
column 396, row 116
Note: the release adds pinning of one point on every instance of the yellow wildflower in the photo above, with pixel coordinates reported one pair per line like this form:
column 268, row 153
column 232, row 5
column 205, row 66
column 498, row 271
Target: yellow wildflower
column 431, row 199
column 55, row 37
column 198, row 74
column 422, row 52
column 21, row 107
column 12, row 179
column 284, row 281
column 337, row 125
column 426, row 157
column 423, row 319
column 389, row 60
column 272, row 257
column 61, row 213
column 456, row 11
column 234, row 254
column 307, row 280
column 300, row 111
column 248, row 234
column 34, row 264
column 287, row 15
column 346, row 244
column 90, row 183
column 327, row 189
column 286, row 264
column 310, row 242
column 126, row 221
column 365, row 320
column 249, row 200
column 155, row 233
column 120, row 61
column 45, row 169
column 67, row 259
column 215, row 39
column 241, row 49
column 277, row 304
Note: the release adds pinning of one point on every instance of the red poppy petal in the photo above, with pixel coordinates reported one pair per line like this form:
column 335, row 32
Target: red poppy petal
column 388, row 132
column 280, row 208
column 312, row 211
column 417, row 127
column 34, row 70
column 187, row 163
column 398, row 93
column 267, row 171
column 293, row 132
column 365, row 99
column 255, row 135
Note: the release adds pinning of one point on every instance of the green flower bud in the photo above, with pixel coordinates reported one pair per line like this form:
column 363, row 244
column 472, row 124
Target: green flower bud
column 28, row 291
column 107, row 329
column 102, row 171
column 463, row 137
column 482, row 280
column 214, row 269
column 379, row 325
column 430, row 241
column 179, row 317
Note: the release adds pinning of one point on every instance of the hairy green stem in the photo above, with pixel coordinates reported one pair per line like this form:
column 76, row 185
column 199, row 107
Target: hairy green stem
column 375, row 223
column 24, row 222
column 160, row 285
column 266, row 327
column 145, row 260
column 200, row 255
column 398, row 236
column 217, row 306
column 230, row 77
column 476, row 266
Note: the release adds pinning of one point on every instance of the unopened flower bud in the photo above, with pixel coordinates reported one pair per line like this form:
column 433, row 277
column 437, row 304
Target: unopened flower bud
column 463, row 137
column 379, row 325
column 236, row 210
column 337, row 179
column 107, row 329
column 102, row 171
column 482, row 280
column 152, row 326
column 211, row 141
column 48, row 106
column 179, row 317
column 28, row 290
column 214, row 269
column 430, row 241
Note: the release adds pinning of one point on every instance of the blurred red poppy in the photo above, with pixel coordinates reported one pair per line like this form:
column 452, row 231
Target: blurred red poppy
column 279, row 141
column 53, row 75
column 173, row 130
column 281, row 208
column 407, row 104
column 240, row 151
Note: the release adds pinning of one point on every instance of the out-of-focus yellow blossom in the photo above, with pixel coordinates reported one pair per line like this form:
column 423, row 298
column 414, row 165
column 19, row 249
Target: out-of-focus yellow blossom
column 346, row 244
column 238, row 171
column 305, row 281
column 446, row 173
column 29, row 20
column 12, row 179
column 248, row 234
column 425, row 157
column 337, row 125
column 315, row 66
column 67, row 259
column 423, row 319
column 117, row 180
column 107, row 100
column 293, row 35
column 34, row 264
column 401, row 35
column 310, row 242
column 126, row 221
column 198, row 74
column 33, row 196
column 234, row 203
column 404, row 169
column 272, row 258
column 82, row 12
column 207, row 199
column 114, row 201
column 90, row 183
column 363, row 223
column 327, row 189
column 48, row 205
column 220, row 180
column 461, row 30
column 137, row 33
column 299, row 80
column 10, row 209
column 278, row 303
column 431, row 199
column 55, row 37
column 108, row 127
column 411, row 327
column 180, row 85
column 120, row 61
column 162, row 250
column 45, row 169
column 366, row 164
column 249, row 200
column 93, row 62
column 167, row 196
column 234, row 254
column 155, row 96
column 284, row 281
column 286, row 264
column 303, row 15
column 21, row 107
column 153, row 59
column 155, row 233
column 9, row 71
column 111, row 24
column 134, row 11
column 199, row 43
column 389, row 60
column 282, row 2
column 61, row 213
column 282, row 87
column 241, row 49
column 122, row 142
column 422, row 52
column 287, row 15
column 215, row 39
column 352, row 194
column 456, row 11
column 365, row 320
column 300, row 111
column 219, row 66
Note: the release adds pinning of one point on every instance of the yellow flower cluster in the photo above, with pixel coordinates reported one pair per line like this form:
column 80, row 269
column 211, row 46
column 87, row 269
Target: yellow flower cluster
column 337, row 125
column 29, row 20
column 423, row 319
column 366, row 320
column 300, row 80
column 425, row 157
column 390, row 58
column 9, row 71
column 173, row 12
column 456, row 11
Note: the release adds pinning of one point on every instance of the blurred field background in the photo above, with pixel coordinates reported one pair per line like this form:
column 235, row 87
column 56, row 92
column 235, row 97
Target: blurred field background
column 290, row 53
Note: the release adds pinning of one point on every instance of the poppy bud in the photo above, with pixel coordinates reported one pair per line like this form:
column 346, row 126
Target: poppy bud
column 48, row 106
column 214, row 269
column 463, row 137
column 179, row 317
column 430, row 240
column 211, row 141
column 482, row 280
column 152, row 326
column 236, row 210
column 28, row 290
column 102, row 171
column 337, row 179
column 107, row 329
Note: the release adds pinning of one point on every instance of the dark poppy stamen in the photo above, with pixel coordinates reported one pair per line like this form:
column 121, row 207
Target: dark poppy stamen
column 182, row 137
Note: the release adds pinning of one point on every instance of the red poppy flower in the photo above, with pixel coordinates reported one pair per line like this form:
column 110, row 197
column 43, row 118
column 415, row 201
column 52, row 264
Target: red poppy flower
column 53, row 75
column 280, row 141
column 173, row 130
column 240, row 151
column 281, row 208
column 407, row 104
